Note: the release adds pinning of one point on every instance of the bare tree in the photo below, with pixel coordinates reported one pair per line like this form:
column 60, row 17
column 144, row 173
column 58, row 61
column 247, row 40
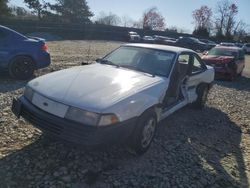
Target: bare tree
column 108, row 19
column 202, row 17
column 153, row 20
column 226, row 18
column 240, row 31
column 126, row 21
column 138, row 24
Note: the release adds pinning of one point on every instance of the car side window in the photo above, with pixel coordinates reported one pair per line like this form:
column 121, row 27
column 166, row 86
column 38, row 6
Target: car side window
column 197, row 66
column 183, row 64
column 184, row 58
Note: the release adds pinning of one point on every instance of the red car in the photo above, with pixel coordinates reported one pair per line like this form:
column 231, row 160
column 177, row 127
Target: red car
column 228, row 62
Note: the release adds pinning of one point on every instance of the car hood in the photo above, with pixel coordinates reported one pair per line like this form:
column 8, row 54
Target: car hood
column 217, row 59
column 92, row 87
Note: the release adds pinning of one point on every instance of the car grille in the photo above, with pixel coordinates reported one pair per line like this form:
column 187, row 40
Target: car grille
column 43, row 124
column 62, row 128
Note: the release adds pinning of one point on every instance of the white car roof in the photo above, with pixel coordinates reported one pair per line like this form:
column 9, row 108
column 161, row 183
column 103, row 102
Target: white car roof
column 160, row 47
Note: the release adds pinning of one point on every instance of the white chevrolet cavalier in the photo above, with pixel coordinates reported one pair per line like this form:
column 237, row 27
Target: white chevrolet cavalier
column 121, row 97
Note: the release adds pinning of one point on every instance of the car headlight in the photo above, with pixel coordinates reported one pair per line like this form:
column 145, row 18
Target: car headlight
column 90, row 118
column 108, row 119
column 28, row 93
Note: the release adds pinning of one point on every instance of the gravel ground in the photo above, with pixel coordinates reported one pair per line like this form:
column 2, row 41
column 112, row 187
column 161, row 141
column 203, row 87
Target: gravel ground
column 207, row 148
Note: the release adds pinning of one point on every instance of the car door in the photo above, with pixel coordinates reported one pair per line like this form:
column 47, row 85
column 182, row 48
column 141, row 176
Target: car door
column 196, row 73
column 4, row 48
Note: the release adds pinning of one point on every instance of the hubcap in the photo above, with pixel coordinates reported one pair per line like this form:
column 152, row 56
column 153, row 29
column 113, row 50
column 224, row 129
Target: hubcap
column 22, row 68
column 148, row 132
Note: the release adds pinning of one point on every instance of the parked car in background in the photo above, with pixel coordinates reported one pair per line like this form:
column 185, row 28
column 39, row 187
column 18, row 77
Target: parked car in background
column 246, row 48
column 228, row 62
column 209, row 43
column 159, row 39
column 148, row 39
column 190, row 43
column 21, row 55
column 229, row 44
column 126, row 94
column 133, row 37
column 239, row 44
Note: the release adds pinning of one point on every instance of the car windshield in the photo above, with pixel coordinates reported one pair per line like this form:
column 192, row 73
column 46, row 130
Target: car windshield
column 222, row 52
column 151, row 61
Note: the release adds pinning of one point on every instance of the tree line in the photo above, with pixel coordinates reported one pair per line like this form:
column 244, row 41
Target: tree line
column 221, row 23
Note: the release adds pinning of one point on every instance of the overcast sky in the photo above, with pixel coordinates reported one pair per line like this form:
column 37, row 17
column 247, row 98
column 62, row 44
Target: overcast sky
column 176, row 12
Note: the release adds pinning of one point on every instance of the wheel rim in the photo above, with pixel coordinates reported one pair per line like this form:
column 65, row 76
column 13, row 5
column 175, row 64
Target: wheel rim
column 148, row 132
column 22, row 68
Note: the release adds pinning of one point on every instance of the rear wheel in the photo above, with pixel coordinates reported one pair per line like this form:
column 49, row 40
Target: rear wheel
column 144, row 132
column 22, row 68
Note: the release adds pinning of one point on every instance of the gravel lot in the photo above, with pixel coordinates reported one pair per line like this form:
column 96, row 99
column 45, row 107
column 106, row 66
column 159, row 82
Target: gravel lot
column 208, row 148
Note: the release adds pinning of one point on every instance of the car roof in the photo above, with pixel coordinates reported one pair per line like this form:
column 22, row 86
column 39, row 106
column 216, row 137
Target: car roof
column 160, row 47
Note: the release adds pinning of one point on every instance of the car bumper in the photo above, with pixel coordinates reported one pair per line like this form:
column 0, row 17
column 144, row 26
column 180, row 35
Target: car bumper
column 43, row 60
column 71, row 131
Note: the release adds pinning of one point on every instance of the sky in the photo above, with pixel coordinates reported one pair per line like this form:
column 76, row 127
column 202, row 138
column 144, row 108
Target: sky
column 176, row 12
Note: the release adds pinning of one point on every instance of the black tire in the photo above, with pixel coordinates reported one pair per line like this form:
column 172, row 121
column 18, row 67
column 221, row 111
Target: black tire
column 144, row 132
column 202, row 92
column 22, row 67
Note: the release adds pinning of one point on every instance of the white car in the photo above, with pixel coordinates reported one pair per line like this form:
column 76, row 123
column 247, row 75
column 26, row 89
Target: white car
column 246, row 48
column 133, row 37
column 121, row 97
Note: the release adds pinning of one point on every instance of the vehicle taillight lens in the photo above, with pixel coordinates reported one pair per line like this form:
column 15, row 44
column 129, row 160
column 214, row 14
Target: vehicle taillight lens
column 45, row 47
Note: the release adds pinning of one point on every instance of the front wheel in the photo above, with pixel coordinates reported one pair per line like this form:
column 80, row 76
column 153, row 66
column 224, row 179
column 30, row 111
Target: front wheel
column 144, row 132
column 22, row 68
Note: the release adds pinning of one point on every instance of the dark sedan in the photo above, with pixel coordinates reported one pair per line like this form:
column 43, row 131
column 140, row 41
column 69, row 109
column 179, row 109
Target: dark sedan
column 21, row 55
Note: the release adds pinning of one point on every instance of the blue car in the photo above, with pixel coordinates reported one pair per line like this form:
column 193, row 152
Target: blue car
column 21, row 55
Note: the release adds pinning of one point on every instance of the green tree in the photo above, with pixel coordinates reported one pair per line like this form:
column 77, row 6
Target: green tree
column 4, row 9
column 74, row 11
column 37, row 7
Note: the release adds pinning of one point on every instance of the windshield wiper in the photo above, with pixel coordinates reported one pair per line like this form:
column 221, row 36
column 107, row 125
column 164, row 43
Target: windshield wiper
column 105, row 61
column 137, row 69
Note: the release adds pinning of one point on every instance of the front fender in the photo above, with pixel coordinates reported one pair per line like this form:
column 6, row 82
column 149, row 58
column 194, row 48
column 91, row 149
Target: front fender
column 138, row 103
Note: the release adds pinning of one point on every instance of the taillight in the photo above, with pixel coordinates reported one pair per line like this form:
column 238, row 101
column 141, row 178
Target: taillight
column 45, row 47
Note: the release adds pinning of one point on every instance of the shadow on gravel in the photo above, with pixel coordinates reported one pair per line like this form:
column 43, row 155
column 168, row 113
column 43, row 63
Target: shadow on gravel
column 8, row 84
column 243, row 86
column 191, row 149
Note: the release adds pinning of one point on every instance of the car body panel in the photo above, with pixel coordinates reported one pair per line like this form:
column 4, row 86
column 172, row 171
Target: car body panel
column 105, row 86
column 15, row 44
